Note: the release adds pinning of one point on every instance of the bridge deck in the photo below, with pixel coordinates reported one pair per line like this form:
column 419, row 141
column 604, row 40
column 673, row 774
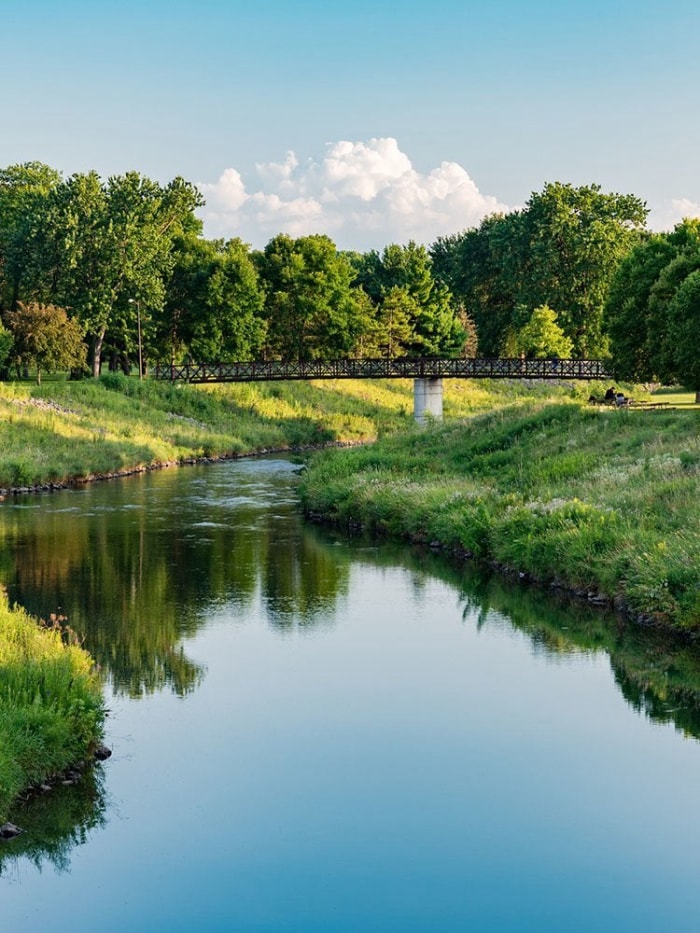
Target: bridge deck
column 400, row 368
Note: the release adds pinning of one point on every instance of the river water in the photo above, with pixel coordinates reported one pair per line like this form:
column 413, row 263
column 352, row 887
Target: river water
column 311, row 733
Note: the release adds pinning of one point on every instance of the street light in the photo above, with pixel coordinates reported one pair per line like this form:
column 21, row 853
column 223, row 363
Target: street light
column 137, row 302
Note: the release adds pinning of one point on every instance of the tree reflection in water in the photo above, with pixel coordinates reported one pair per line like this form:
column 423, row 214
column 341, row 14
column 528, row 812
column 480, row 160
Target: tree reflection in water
column 139, row 566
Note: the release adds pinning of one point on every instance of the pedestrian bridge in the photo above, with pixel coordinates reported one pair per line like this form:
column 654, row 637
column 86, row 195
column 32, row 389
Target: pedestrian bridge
column 427, row 372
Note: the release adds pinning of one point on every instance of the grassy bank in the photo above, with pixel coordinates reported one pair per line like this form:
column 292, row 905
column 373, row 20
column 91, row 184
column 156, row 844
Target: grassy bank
column 606, row 502
column 65, row 430
column 51, row 707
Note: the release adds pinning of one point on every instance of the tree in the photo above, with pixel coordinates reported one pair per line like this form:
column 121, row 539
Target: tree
column 542, row 337
column 46, row 338
column 23, row 189
column 6, row 341
column 312, row 310
column 561, row 250
column 396, row 313
column 436, row 326
column 575, row 239
column 642, row 315
column 100, row 245
column 475, row 265
column 684, row 327
column 215, row 301
column 626, row 313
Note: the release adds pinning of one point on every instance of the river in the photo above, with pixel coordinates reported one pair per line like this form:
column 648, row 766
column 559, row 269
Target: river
column 313, row 733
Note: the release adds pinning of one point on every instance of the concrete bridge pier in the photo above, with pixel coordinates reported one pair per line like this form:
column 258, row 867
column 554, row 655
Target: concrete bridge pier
column 427, row 399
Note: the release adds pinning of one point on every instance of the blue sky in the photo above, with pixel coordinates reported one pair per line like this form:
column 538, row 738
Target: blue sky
column 448, row 110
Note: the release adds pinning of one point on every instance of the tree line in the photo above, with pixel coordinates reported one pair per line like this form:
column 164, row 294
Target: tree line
column 91, row 269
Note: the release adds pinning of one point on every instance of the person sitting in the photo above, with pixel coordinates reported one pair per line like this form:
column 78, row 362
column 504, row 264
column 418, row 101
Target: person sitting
column 620, row 400
column 610, row 395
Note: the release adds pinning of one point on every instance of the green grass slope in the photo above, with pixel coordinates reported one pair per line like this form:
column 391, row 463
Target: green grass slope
column 605, row 502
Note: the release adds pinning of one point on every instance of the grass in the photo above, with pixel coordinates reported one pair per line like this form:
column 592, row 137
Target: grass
column 51, row 707
column 66, row 430
column 603, row 502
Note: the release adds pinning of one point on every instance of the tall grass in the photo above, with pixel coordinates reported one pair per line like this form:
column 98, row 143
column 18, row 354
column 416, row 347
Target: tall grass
column 51, row 707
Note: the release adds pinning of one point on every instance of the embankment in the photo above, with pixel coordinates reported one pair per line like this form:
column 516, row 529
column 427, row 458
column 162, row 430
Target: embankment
column 605, row 503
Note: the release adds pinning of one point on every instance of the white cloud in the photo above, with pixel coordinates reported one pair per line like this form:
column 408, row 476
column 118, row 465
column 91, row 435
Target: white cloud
column 362, row 194
column 672, row 212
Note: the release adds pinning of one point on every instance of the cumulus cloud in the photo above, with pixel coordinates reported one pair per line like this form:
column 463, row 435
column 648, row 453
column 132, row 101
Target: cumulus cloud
column 362, row 194
column 670, row 213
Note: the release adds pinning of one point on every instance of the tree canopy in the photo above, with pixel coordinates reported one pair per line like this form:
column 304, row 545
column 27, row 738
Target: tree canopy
column 45, row 338
column 560, row 250
column 651, row 313
column 573, row 272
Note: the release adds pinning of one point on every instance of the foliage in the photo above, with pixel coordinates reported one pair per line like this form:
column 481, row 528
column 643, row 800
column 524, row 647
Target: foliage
column 650, row 313
column 542, row 337
column 23, row 189
column 45, row 338
column 214, row 305
column 415, row 312
column 310, row 306
column 561, row 250
column 684, row 329
column 6, row 341
column 96, row 245
column 626, row 309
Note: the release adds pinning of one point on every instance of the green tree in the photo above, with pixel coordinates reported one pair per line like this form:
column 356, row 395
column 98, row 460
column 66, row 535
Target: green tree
column 23, row 189
column 311, row 308
column 542, row 337
column 477, row 265
column 561, row 250
column 636, row 311
column 575, row 238
column 6, row 341
column 100, row 245
column 626, row 314
column 683, row 331
column 215, row 302
column 397, row 312
column 45, row 338
column 435, row 324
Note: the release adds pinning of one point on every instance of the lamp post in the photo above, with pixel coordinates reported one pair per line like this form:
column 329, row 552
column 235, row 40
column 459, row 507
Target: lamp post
column 137, row 302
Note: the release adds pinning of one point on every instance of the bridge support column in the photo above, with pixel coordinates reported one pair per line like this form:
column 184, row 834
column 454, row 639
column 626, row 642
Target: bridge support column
column 427, row 399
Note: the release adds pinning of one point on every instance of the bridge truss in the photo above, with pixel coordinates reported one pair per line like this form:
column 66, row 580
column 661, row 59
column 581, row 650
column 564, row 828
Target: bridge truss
column 399, row 368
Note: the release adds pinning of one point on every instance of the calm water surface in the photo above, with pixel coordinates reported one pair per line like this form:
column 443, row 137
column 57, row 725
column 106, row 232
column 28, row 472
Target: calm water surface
column 314, row 734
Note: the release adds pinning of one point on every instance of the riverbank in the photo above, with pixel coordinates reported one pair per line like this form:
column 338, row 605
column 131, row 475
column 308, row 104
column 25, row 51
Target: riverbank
column 51, row 705
column 604, row 503
column 62, row 432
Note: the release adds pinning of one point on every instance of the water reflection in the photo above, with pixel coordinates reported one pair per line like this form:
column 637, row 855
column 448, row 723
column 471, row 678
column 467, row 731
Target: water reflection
column 141, row 566
column 138, row 566
column 54, row 823
column 658, row 674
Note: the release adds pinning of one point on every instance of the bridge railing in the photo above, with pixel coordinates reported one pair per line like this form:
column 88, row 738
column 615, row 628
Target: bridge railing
column 404, row 367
